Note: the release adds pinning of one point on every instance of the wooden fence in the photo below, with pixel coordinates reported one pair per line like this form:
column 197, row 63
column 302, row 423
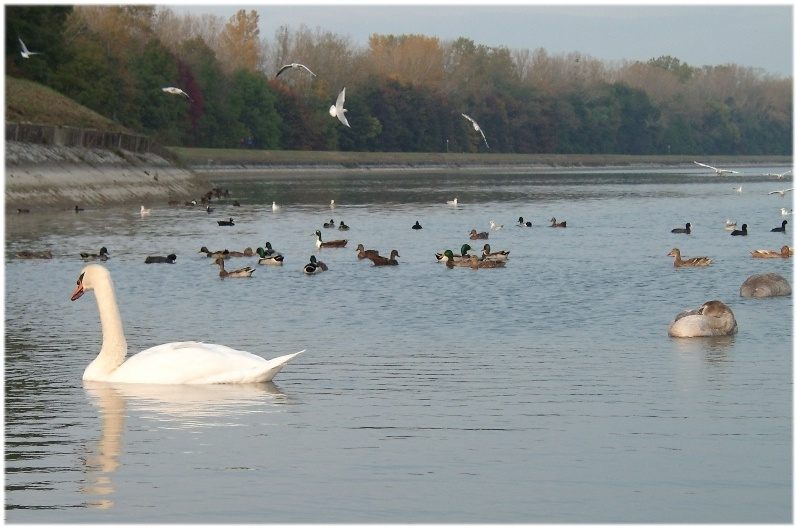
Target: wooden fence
column 77, row 137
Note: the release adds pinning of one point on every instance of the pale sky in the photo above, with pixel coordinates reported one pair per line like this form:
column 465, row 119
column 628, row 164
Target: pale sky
column 707, row 34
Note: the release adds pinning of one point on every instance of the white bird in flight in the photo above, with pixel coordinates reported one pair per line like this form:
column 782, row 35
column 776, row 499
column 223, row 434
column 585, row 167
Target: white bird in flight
column 738, row 189
column 337, row 110
column 293, row 66
column 26, row 53
column 719, row 172
column 477, row 128
column 779, row 176
column 176, row 92
column 781, row 192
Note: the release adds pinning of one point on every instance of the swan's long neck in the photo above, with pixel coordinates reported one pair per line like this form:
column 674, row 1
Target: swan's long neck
column 114, row 345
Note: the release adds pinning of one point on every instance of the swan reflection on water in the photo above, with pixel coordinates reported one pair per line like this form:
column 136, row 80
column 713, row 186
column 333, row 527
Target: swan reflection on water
column 181, row 406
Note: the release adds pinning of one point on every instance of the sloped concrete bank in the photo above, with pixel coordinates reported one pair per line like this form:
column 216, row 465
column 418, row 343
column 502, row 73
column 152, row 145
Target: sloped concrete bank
column 39, row 175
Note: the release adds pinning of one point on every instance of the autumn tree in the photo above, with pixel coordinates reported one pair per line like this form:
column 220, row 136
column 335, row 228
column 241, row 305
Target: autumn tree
column 173, row 29
column 406, row 58
column 239, row 42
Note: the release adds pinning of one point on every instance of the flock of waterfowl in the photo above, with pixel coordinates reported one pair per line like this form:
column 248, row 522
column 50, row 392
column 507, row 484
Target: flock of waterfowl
column 712, row 318
column 715, row 318
column 784, row 252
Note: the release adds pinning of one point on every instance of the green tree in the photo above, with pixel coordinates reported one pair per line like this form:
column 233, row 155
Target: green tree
column 41, row 28
column 160, row 114
column 254, row 102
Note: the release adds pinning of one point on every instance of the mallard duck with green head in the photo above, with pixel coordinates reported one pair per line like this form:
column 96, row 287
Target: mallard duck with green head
column 269, row 255
column 315, row 266
column 463, row 252
column 500, row 255
column 340, row 243
column 451, row 260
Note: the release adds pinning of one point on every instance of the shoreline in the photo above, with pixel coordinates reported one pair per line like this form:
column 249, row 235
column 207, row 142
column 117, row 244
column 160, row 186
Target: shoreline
column 47, row 176
column 206, row 160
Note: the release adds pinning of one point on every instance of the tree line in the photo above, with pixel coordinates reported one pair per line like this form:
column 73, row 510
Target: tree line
column 404, row 92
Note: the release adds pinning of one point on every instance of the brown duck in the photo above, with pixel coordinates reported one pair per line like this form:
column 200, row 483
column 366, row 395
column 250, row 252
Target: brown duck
column 694, row 261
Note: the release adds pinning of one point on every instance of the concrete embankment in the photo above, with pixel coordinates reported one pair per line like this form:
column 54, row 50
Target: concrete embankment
column 42, row 175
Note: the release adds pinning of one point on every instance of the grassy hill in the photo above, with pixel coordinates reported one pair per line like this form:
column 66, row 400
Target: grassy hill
column 29, row 102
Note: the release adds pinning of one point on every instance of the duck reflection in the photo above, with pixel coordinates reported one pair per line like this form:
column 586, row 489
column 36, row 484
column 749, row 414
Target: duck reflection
column 712, row 349
column 182, row 406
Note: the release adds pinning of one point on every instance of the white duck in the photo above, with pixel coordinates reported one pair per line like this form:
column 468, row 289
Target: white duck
column 145, row 211
column 170, row 363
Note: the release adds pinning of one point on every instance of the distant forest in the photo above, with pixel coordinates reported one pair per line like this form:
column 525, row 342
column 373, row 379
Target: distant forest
column 403, row 92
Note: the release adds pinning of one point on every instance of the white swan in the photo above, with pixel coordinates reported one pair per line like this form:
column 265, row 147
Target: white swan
column 170, row 363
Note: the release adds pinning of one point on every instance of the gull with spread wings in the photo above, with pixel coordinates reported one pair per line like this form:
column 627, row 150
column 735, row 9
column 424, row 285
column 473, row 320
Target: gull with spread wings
column 294, row 66
column 176, row 92
column 781, row 192
column 25, row 52
column 779, row 176
column 337, row 110
column 717, row 171
column 476, row 127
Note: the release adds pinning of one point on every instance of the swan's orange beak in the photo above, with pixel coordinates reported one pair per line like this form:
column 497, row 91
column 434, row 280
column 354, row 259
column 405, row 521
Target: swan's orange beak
column 79, row 289
column 78, row 292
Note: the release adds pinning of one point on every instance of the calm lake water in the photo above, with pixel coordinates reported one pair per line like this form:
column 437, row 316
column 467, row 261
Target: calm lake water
column 544, row 392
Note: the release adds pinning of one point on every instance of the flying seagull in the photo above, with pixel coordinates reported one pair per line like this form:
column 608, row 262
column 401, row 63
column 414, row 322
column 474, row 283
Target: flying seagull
column 337, row 109
column 476, row 128
column 293, row 66
column 26, row 53
column 779, row 176
column 176, row 92
column 719, row 172
column 780, row 192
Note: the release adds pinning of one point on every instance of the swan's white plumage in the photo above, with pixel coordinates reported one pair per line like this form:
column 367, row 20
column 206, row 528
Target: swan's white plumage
column 170, row 363
column 197, row 363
